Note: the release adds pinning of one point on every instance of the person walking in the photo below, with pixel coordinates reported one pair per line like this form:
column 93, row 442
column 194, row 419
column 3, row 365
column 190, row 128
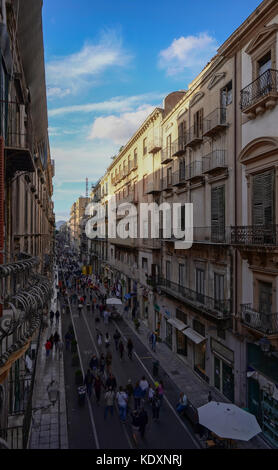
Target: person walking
column 122, row 403
column 99, row 338
column 94, row 363
column 106, row 317
column 151, row 394
column 102, row 363
column 109, row 399
column 48, row 347
column 88, row 381
column 144, row 385
column 98, row 386
column 60, row 348
column 108, row 361
column 57, row 316
column 160, row 390
column 80, row 306
column 143, row 421
column 116, row 338
column 129, row 349
column 51, row 315
column 56, row 339
column 153, row 341
column 182, row 404
column 137, row 393
column 129, row 392
column 135, row 423
column 156, row 406
column 111, row 382
column 121, row 349
column 107, row 340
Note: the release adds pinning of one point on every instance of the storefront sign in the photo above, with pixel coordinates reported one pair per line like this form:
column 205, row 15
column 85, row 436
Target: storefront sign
column 224, row 352
column 156, row 307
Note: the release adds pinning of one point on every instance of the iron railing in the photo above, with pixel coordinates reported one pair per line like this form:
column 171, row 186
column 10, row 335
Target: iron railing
column 166, row 155
column 16, row 125
column 179, row 177
column 214, row 234
column 215, row 160
column 215, row 121
column 167, row 183
column 266, row 323
column 264, row 85
column 154, row 145
column 13, row 437
column 154, row 186
column 214, row 307
column 257, row 235
column 179, row 145
column 194, row 170
column 194, row 136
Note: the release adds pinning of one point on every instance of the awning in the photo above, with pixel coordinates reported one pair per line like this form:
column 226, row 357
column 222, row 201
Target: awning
column 177, row 323
column 194, row 336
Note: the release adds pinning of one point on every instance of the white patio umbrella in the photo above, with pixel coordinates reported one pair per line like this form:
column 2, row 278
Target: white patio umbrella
column 228, row 421
column 113, row 301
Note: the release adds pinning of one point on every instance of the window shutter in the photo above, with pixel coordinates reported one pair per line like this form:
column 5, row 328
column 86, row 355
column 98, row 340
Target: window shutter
column 201, row 117
column 218, row 213
column 263, row 197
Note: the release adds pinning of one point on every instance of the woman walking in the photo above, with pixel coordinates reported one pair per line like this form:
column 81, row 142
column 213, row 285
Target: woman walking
column 98, row 386
column 156, row 406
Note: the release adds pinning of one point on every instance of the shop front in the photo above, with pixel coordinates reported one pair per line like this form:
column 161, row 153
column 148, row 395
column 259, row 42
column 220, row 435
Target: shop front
column 262, row 382
column 181, row 346
column 199, row 352
column 223, row 373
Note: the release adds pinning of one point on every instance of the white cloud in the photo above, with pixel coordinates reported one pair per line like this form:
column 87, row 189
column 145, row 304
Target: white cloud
column 71, row 73
column 119, row 104
column 119, row 129
column 56, row 92
column 188, row 53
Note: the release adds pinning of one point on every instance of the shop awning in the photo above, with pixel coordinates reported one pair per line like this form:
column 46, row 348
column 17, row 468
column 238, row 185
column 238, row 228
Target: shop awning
column 194, row 336
column 177, row 323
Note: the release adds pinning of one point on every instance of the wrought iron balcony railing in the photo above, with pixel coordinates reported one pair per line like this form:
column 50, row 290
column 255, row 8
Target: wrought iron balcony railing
column 214, row 235
column 264, row 86
column 179, row 146
column 154, row 186
column 194, row 136
column 215, row 122
column 194, row 170
column 266, row 323
column 215, row 160
column 179, row 178
column 167, row 183
column 166, row 155
column 154, row 145
column 217, row 308
column 255, row 235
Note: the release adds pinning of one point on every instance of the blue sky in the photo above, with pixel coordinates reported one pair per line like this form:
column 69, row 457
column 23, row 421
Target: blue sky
column 108, row 63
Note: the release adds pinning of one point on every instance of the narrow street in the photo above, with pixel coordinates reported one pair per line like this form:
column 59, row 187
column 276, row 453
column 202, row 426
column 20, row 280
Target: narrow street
column 86, row 425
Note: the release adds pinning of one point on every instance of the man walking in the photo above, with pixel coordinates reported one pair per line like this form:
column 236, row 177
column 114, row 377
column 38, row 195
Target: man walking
column 88, row 381
column 57, row 316
column 129, row 348
column 116, row 337
column 122, row 403
column 143, row 421
column 109, row 398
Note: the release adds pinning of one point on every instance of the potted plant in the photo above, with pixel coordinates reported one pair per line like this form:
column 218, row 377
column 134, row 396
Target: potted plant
column 75, row 360
column 78, row 377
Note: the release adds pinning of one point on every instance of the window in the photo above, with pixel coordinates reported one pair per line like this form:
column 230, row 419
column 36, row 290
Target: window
column 168, row 145
column 218, row 213
column 129, row 164
column 263, row 199
column 124, row 168
column 181, row 316
column 182, row 169
column 264, row 63
column 135, row 158
column 145, row 264
column 198, row 123
column 145, row 150
column 265, row 297
column 181, row 275
column 145, row 183
column 218, row 291
column 168, row 271
column 227, row 95
column 199, row 328
column 200, row 284
column 169, row 176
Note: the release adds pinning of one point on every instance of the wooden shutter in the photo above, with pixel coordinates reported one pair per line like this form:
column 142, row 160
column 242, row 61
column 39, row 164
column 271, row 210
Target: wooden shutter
column 201, row 117
column 263, row 198
column 195, row 124
column 265, row 297
column 218, row 213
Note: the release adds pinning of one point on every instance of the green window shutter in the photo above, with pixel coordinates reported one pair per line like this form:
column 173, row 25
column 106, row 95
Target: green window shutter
column 218, row 213
column 263, row 198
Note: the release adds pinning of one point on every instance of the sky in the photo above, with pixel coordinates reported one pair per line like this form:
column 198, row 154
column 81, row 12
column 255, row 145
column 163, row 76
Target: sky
column 109, row 63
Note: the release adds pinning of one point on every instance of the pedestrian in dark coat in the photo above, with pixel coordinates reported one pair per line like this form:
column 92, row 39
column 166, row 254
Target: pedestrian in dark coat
column 156, row 406
column 98, row 387
column 129, row 348
column 88, row 381
column 143, row 421
column 121, row 349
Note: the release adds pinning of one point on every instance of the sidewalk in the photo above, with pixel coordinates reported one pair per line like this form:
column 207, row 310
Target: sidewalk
column 183, row 376
column 49, row 428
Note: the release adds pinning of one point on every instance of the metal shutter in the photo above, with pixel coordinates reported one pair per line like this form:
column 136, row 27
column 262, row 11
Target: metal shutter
column 263, row 199
column 218, row 213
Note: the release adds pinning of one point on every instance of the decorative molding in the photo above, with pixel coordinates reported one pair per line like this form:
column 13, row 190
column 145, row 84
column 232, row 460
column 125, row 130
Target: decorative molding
column 196, row 98
column 183, row 111
column 168, row 127
column 215, row 79
column 258, row 149
column 261, row 37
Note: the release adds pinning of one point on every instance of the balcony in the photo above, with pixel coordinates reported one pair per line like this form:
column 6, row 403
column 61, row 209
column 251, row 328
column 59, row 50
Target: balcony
column 194, row 137
column 179, row 146
column 215, row 122
column 154, row 145
column 134, row 164
column 195, row 171
column 166, row 155
column 179, row 178
column 265, row 323
column 255, row 235
column 18, row 137
column 260, row 95
column 154, row 187
column 215, row 161
column 218, row 309
column 151, row 243
column 125, row 242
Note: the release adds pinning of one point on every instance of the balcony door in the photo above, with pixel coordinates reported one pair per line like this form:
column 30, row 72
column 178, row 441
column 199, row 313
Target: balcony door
column 200, row 285
column 168, row 273
column 218, row 214
column 263, row 207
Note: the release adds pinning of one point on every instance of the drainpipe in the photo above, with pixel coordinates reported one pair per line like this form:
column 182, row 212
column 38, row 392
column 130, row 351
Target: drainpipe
column 2, row 196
